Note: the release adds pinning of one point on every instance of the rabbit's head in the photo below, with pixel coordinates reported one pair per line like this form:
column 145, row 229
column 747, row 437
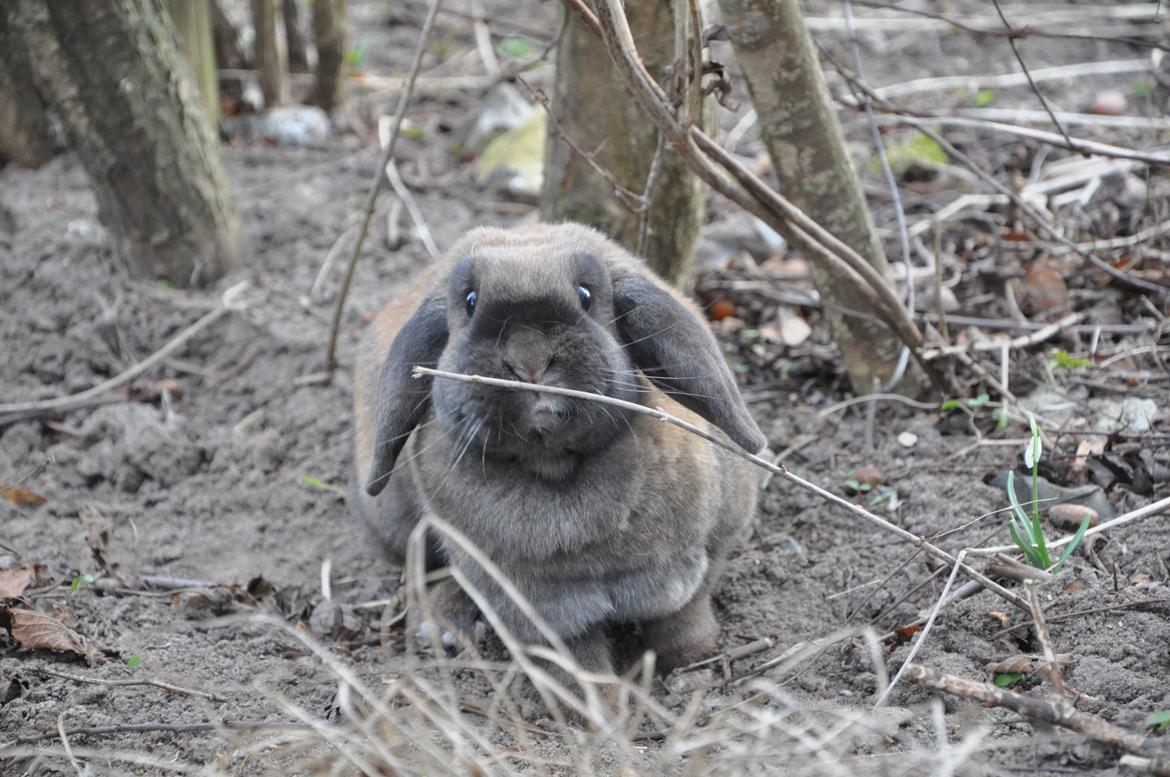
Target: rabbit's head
column 556, row 306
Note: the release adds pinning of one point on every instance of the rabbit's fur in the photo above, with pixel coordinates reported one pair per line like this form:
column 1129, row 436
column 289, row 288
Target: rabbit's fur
column 597, row 514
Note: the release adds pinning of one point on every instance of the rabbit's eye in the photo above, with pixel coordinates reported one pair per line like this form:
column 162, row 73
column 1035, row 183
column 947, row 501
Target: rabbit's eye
column 471, row 298
column 585, row 296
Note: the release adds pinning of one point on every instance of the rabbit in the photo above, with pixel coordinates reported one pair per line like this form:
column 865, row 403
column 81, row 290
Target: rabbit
column 598, row 515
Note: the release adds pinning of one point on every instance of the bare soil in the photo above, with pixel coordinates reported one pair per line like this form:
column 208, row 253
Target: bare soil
column 224, row 476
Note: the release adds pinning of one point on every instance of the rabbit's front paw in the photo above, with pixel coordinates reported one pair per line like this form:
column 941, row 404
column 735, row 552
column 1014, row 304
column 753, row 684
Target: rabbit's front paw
column 449, row 620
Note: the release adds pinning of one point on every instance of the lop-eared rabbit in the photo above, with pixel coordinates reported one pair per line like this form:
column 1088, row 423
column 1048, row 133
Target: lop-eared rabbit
column 599, row 515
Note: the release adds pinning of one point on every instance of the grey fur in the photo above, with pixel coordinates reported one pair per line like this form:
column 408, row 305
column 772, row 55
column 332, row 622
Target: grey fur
column 597, row 515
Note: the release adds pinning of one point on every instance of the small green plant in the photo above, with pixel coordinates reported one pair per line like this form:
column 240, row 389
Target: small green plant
column 1063, row 360
column 1007, row 679
column 1028, row 531
column 1143, row 88
column 81, row 581
column 517, row 48
column 1159, row 721
column 855, row 485
column 133, row 662
column 984, row 98
column 317, row 483
column 356, row 56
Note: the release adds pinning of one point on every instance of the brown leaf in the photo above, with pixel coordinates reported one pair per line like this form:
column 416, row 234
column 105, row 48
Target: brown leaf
column 1025, row 664
column 1069, row 516
column 868, row 475
column 14, row 582
column 1004, row 619
column 97, row 536
column 720, row 309
column 1044, row 287
column 37, row 631
column 22, row 497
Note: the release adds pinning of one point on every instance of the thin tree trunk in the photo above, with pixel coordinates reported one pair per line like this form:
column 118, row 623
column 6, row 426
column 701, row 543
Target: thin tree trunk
column 799, row 125
column 269, row 63
column 228, row 53
column 192, row 20
column 599, row 116
column 26, row 136
column 149, row 151
column 329, row 39
column 298, row 60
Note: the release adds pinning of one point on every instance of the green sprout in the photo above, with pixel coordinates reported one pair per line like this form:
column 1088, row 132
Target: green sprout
column 81, row 581
column 1028, row 532
column 1159, row 721
column 1007, row 679
column 133, row 662
column 1063, row 360
column 984, row 98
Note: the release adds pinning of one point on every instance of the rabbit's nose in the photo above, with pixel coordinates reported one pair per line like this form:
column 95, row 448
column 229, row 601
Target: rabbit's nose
column 527, row 354
column 528, row 370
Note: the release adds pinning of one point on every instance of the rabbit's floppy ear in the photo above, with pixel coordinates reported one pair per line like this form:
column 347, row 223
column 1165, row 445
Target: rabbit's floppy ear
column 680, row 356
column 403, row 400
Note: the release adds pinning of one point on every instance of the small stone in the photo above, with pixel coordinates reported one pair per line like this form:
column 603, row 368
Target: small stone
column 907, row 439
column 1109, row 102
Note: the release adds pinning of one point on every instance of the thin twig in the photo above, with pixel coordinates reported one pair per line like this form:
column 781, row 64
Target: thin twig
column 780, row 471
column 921, row 638
column 19, row 410
column 126, row 683
column 1043, row 637
column 1011, row 39
column 1059, row 713
column 1023, row 341
column 376, row 184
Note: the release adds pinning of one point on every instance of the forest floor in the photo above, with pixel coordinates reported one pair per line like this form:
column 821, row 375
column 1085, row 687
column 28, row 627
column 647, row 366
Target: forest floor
column 225, row 466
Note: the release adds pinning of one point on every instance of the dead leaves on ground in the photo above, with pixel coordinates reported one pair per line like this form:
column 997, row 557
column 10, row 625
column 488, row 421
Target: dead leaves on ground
column 14, row 582
column 34, row 630
column 21, row 498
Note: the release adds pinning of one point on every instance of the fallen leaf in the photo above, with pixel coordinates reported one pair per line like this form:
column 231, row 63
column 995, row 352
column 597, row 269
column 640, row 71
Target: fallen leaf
column 1004, row 619
column 868, row 474
column 1069, row 516
column 14, row 582
column 97, row 536
column 1026, row 664
column 720, row 309
column 22, row 497
column 1044, row 288
column 1075, row 585
column 37, row 631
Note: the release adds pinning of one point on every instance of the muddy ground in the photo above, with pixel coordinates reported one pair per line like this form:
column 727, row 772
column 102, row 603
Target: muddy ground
column 220, row 466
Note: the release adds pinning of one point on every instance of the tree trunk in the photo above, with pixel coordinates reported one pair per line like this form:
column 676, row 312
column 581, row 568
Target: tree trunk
column 329, row 39
column 192, row 20
column 598, row 115
column 799, row 125
column 149, row 151
column 269, row 62
column 298, row 60
column 26, row 137
column 228, row 54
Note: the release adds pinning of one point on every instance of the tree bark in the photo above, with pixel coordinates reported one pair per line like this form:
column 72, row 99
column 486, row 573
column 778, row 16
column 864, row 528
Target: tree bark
column 26, row 136
column 111, row 69
column 228, row 54
column 600, row 116
column 329, row 39
column 800, row 128
column 270, row 64
column 192, row 20
column 298, row 60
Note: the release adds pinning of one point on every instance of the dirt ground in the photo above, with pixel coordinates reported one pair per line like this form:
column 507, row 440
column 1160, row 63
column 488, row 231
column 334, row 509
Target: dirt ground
column 222, row 465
